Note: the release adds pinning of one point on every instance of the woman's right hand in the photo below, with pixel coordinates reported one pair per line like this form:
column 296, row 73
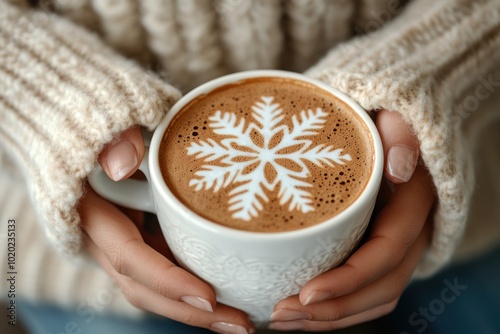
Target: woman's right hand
column 140, row 262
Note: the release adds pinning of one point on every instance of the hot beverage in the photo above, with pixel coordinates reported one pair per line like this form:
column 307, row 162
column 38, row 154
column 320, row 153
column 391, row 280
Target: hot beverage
column 261, row 151
column 267, row 155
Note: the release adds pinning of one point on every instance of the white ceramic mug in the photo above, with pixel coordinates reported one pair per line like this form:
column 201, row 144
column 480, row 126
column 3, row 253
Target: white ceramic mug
column 250, row 271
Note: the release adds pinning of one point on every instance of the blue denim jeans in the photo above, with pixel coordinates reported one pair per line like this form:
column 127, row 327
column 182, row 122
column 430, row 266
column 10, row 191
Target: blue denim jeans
column 461, row 299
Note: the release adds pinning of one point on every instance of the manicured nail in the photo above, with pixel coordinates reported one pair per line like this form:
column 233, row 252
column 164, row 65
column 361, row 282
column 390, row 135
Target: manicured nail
column 229, row 328
column 318, row 297
column 198, row 302
column 289, row 315
column 401, row 162
column 121, row 159
column 287, row 326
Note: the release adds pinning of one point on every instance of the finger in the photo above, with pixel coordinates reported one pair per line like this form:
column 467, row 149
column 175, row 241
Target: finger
column 124, row 248
column 121, row 158
column 394, row 230
column 309, row 325
column 384, row 291
column 144, row 298
column 401, row 146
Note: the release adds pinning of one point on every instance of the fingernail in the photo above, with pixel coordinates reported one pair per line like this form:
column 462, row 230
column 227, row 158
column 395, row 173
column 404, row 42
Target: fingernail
column 289, row 315
column 229, row 328
column 401, row 162
column 317, row 297
column 287, row 326
column 198, row 302
column 121, row 159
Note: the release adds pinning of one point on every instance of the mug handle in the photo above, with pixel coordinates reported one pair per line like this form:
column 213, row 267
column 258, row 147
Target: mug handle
column 130, row 193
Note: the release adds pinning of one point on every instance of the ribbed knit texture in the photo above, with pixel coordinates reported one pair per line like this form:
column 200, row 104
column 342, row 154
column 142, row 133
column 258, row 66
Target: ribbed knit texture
column 66, row 88
column 420, row 69
column 41, row 274
column 63, row 96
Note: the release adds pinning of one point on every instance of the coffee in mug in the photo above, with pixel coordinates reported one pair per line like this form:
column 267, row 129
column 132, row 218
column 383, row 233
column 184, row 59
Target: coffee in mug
column 261, row 181
column 267, row 155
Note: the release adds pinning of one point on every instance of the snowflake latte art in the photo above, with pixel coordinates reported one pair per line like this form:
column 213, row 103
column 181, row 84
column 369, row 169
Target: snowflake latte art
column 267, row 155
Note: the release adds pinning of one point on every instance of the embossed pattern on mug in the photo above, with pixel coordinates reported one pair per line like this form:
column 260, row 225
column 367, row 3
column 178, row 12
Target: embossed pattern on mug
column 266, row 155
column 237, row 276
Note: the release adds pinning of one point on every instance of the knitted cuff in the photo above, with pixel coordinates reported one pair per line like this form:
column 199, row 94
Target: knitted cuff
column 63, row 96
column 46, row 277
column 419, row 65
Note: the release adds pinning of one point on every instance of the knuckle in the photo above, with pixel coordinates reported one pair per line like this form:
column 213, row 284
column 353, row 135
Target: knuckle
column 336, row 313
column 395, row 249
column 404, row 243
column 359, row 278
column 160, row 282
column 396, row 261
column 117, row 264
column 397, row 252
column 189, row 318
column 394, row 292
column 117, row 255
column 158, row 286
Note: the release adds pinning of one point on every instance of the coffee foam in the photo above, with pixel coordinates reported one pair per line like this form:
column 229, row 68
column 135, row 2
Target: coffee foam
column 332, row 188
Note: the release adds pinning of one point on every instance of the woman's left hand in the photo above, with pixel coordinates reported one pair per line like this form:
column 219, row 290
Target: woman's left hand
column 368, row 285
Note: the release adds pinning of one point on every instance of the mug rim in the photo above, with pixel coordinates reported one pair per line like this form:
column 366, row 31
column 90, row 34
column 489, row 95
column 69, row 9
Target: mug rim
column 157, row 181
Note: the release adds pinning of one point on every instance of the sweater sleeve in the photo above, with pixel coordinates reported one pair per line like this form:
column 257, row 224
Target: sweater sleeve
column 421, row 64
column 63, row 96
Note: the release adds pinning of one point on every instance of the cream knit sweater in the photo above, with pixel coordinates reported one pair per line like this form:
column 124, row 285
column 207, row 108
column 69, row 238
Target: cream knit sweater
column 74, row 74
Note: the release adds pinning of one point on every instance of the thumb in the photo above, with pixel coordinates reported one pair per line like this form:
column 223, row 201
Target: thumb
column 401, row 147
column 121, row 158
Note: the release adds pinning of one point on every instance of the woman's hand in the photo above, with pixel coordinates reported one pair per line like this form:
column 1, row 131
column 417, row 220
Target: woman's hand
column 371, row 281
column 139, row 261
